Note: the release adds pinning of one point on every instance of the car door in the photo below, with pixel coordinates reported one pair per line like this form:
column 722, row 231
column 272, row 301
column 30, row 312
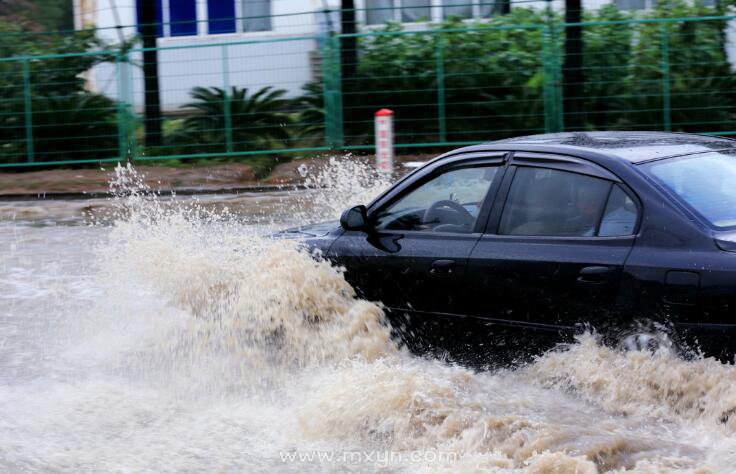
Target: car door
column 553, row 253
column 414, row 258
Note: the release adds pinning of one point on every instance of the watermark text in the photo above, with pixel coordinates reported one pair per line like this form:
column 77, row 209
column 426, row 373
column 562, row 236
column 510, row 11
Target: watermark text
column 378, row 458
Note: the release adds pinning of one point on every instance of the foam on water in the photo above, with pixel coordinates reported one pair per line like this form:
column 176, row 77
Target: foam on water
column 180, row 339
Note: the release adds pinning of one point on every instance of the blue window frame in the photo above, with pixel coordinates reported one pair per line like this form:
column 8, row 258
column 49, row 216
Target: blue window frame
column 183, row 17
column 221, row 16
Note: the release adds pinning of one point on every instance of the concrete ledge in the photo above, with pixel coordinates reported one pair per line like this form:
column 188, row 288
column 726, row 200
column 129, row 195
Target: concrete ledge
column 65, row 196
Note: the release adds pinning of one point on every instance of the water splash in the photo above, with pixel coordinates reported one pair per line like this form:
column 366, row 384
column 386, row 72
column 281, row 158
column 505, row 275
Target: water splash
column 199, row 344
column 640, row 383
column 337, row 185
column 251, row 303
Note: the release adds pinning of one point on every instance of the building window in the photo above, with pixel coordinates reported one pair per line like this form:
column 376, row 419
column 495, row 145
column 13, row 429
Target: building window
column 486, row 8
column 378, row 12
column 634, row 4
column 179, row 17
column 220, row 16
column 457, row 8
column 256, row 15
column 381, row 11
column 650, row 4
column 470, row 8
column 183, row 17
column 415, row 10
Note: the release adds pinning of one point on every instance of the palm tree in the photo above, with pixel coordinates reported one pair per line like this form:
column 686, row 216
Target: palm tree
column 258, row 121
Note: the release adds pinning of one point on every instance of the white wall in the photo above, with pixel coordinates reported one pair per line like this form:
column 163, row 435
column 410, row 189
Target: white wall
column 283, row 64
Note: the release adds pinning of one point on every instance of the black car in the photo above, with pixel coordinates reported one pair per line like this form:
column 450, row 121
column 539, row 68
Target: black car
column 522, row 243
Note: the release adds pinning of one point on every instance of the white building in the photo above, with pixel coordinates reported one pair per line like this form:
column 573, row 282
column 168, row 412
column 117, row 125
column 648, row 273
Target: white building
column 256, row 60
column 254, row 63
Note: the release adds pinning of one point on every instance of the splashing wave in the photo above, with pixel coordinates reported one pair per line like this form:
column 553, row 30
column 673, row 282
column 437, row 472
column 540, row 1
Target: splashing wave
column 208, row 346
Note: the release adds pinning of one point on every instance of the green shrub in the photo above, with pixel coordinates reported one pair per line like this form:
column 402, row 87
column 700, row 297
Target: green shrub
column 69, row 123
column 492, row 81
column 701, row 78
column 79, row 126
column 59, row 75
column 74, row 127
column 494, row 78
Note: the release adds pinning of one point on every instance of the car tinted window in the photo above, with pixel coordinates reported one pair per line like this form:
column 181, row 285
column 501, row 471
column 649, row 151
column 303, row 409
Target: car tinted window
column 704, row 181
column 620, row 216
column 449, row 202
column 547, row 202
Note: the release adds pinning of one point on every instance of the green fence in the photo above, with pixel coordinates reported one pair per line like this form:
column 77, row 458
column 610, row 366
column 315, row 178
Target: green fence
column 451, row 85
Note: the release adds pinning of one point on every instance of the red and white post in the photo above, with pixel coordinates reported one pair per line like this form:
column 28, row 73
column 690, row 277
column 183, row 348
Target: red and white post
column 385, row 140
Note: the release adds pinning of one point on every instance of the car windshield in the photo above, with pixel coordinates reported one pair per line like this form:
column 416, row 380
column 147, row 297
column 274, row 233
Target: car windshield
column 706, row 182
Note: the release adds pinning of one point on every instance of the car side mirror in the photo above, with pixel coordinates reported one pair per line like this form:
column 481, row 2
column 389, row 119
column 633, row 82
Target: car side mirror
column 355, row 218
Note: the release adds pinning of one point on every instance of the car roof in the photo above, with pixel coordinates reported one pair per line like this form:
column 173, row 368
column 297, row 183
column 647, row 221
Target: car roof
column 635, row 147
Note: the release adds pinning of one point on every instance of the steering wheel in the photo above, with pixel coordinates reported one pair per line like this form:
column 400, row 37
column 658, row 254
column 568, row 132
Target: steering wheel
column 448, row 212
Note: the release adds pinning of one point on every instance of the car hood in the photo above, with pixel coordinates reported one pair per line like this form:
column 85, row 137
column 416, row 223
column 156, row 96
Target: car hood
column 308, row 231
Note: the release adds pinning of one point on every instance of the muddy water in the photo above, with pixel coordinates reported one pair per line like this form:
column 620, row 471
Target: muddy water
column 170, row 336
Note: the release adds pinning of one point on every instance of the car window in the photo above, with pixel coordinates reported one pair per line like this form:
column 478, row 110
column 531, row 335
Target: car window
column 449, row 202
column 620, row 216
column 704, row 181
column 547, row 202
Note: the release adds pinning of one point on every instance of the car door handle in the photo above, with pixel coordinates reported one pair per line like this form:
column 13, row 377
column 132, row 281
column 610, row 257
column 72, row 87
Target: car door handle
column 594, row 274
column 442, row 268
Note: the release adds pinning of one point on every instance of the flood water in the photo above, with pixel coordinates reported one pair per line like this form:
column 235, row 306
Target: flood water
column 154, row 334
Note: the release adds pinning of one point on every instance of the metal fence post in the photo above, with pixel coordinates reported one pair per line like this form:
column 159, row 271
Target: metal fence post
column 227, row 111
column 552, row 94
column 665, row 65
column 546, row 86
column 441, row 100
column 28, row 110
column 331, row 79
column 327, row 86
column 121, row 110
column 126, row 130
column 557, row 70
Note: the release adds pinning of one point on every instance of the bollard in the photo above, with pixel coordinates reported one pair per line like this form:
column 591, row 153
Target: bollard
column 385, row 140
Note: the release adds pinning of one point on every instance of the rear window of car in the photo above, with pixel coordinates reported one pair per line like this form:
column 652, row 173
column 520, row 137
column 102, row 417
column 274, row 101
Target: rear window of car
column 556, row 203
column 547, row 202
column 620, row 216
column 705, row 182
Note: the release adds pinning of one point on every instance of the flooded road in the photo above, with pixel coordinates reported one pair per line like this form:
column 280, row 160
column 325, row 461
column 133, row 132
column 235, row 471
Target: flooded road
column 151, row 334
